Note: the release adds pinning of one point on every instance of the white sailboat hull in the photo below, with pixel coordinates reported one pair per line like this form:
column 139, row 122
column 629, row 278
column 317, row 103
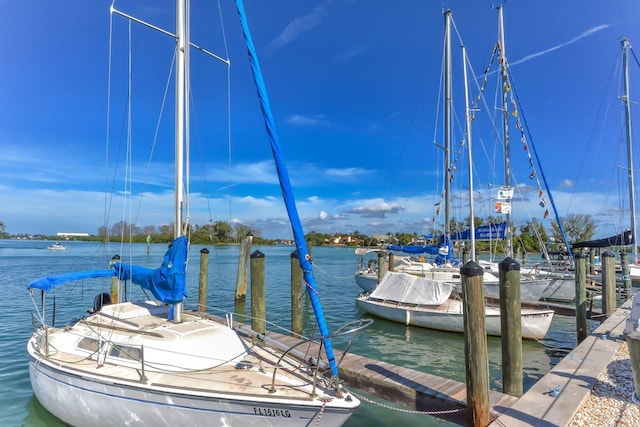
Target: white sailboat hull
column 634, row 272
column 561, row 290
column 366, row 281
column 449, row 317
column 79, row 400
column 530, row 289
column 196, row 373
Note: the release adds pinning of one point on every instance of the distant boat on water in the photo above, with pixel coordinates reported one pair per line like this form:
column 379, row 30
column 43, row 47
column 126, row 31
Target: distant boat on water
column 57, row 247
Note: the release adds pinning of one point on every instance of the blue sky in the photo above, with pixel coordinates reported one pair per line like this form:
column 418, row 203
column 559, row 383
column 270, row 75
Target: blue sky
column 354, row 87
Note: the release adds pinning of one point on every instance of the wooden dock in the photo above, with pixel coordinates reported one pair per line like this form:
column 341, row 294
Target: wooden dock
column 411, row 389
column 574, row 378
column 419, row 391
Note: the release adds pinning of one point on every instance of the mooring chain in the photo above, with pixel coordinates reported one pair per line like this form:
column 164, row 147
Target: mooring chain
column 324, row 405
column 406, row 411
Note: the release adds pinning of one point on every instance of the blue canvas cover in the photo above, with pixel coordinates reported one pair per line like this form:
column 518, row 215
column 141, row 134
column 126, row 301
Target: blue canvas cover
column 431, row 250
column 48, row 282
column 167, row 283
column 440, row 257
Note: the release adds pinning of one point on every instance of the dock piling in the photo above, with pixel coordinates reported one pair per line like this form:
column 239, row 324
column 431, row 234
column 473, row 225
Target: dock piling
column 296, row 295
column 243, row 264
column 381, row 265
column 258, row 306
column 581, row 296
column 626, row 275
column 511, row 327
column 475, row 345
column 202, row 284
column 115, row 284
column 608, row 283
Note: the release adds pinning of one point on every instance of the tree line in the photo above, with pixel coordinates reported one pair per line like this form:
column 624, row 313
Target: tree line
column 532, row 236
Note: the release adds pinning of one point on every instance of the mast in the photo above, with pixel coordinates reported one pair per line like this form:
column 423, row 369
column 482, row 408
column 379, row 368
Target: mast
column 181, row 105
column 505, row 128
column 472, row 226
column 627, row 114
column 447, row 125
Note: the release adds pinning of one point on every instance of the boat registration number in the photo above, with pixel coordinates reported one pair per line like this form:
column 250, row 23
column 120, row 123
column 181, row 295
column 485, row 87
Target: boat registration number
column 268, row 412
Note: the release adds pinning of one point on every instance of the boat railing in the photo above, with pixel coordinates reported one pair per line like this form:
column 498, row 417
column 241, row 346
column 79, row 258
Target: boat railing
column 316, row 363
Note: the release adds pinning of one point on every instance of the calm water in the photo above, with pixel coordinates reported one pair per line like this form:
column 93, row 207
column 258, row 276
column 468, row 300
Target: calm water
column 435, row 352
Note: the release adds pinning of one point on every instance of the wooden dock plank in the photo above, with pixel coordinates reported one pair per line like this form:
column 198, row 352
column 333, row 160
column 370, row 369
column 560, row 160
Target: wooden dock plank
column 574, row 376
column 408, row 387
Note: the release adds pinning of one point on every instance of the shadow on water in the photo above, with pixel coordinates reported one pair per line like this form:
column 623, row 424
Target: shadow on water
column 37, row 416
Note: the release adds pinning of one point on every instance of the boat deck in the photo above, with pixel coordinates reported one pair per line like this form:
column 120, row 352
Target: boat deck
column 253, row 375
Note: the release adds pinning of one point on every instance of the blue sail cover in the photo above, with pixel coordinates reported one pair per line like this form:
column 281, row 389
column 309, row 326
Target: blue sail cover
column 431, row 250
column 167, row 283
column 414, row 250
column 484, row 232
column 48, row 282
column 285, row 187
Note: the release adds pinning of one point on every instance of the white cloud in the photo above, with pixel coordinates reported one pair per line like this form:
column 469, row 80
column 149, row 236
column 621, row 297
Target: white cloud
column 300, row 120
column 299, row 26
column 579, row 37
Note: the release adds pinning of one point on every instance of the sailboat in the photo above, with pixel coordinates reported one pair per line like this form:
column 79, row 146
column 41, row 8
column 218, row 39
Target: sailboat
column 152, row 363
column 437, row 304
column 629, row 236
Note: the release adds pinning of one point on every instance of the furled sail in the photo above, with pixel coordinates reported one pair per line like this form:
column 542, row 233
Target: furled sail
column 623, row 239
column 168, row 282
column 443, row 251
column 287, row 192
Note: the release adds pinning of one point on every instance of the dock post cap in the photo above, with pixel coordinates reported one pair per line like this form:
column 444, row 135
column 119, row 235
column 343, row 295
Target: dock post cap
column 257, row 254
column 609, row 254
column 509, row 264
column 580, row 255
column 472, row 269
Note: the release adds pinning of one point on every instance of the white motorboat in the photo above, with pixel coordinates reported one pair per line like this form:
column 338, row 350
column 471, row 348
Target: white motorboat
column 57, row 247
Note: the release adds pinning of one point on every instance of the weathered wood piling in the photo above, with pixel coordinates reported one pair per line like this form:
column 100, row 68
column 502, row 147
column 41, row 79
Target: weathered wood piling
column 581, row 296
column 203, row 279
column 626, row 276
column 243, row 266
column 511, row 327
column 115, row 284
column 258, row 306
column 608, row 283
column 297, row 292
column 475, row 345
